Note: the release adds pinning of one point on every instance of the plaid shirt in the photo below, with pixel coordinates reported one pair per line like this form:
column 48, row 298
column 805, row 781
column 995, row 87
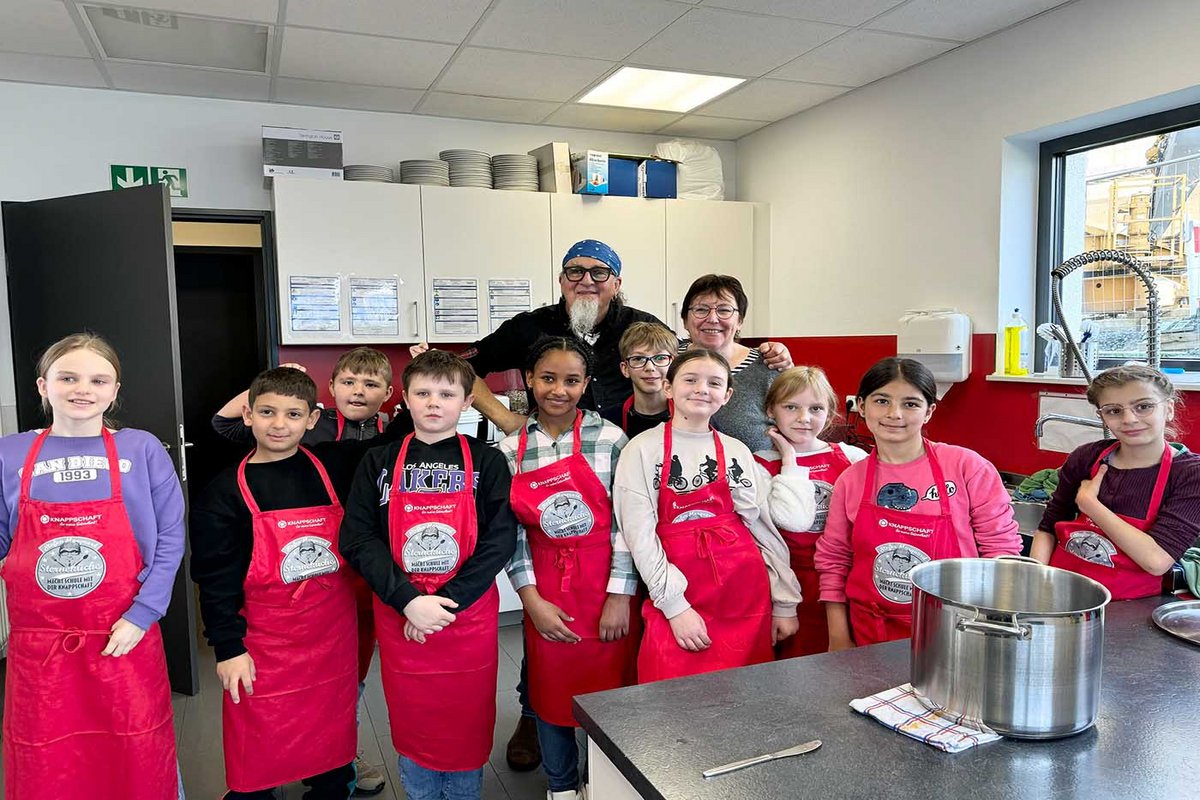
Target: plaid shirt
column 600, row 443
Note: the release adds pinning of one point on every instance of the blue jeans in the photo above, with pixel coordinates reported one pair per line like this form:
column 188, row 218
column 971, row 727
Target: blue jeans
column 560, row 756
column 523, row 685
column 427, row 784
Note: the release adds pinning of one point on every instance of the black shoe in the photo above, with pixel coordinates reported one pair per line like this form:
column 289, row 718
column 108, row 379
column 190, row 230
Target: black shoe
column 524, row 753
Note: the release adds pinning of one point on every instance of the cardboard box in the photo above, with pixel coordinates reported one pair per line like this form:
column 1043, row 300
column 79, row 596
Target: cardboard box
column 622, row 176
column 589, row 172
column 554, row 167
column 656, row 178
column 302, row 151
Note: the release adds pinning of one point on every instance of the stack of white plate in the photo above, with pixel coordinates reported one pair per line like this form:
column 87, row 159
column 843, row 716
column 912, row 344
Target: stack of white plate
column 425, row 172
column 515, row 171
column 469, row 168
column 367, row 172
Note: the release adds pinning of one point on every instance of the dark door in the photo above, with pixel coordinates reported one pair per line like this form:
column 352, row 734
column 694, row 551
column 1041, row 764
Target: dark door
column 103, row 262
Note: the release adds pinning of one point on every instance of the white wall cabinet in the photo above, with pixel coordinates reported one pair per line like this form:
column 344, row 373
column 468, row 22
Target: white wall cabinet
column 498, row 240
column 634, row 227
column 338, row 232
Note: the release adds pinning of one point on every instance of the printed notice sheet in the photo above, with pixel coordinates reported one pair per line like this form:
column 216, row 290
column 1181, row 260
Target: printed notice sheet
column 455, row 306
column 315, row 302
column 507, row 298
column 375, row 306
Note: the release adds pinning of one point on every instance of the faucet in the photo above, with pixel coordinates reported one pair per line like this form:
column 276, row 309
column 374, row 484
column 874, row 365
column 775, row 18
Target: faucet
column 1040, row 425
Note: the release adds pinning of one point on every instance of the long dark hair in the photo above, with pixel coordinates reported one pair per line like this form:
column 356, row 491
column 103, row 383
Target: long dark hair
column 905, row 369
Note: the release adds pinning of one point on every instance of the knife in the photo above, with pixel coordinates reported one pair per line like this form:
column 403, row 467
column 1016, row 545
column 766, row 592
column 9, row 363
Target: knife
column 798, row 750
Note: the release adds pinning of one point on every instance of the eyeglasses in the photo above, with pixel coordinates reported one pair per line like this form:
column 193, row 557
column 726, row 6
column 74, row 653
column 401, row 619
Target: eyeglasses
column 599, row 274
column 701, row 312
column 660, row 360
column 1142, row 409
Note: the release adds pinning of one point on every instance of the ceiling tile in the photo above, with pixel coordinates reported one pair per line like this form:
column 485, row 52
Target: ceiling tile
column 437, row 20
column 961, row 20
column 770, row 100
column 612, row 29
column 444, row 104
column 712, row 127
column 346, row 95
column 860, row 57
column 730, row 43
column 256, row 10
column 531, row 76
column 838, row 12
column 350, row 58
column 195, row 82
column 39, row 26
column 611, row 119
column 50, row 69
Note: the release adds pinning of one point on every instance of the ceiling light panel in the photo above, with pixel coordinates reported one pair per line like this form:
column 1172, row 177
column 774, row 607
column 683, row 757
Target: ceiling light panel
column 160, row 37
column 658, row 90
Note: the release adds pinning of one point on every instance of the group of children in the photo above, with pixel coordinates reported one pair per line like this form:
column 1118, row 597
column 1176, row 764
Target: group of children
column 673, row 552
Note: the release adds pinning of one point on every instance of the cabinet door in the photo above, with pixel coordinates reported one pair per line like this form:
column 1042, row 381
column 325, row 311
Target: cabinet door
column 705, row 237
column 484, row 251
column 352, row 244
column 632, row 226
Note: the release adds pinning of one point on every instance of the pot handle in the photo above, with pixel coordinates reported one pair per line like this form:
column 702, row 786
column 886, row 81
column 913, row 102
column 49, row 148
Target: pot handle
column 1026, row 559
column 1015, row 631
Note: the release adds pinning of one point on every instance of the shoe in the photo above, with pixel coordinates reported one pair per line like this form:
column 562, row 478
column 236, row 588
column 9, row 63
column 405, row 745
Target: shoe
column 370, row 779
column 524, row 753
column 569, row 794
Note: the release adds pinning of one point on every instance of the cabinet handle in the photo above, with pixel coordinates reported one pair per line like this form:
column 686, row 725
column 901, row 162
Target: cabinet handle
column 416, row 323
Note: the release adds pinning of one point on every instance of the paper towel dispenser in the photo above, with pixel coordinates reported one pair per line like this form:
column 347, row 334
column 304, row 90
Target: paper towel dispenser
column 940, row 338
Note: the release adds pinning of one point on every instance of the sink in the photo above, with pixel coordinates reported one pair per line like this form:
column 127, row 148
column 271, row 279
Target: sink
column 1027, row 514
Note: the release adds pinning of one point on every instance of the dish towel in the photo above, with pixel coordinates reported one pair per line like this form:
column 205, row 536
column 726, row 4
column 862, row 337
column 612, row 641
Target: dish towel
column 901, row 710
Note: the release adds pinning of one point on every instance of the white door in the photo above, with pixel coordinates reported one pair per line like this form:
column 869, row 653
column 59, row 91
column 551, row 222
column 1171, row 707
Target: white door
column 485, row 256
column 632, row 226
column 704, row 236
column 354, row 244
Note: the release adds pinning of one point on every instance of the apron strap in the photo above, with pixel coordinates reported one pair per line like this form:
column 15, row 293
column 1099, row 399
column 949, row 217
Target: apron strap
column 934, row 466
column 576, row 445
column 1160, row 483
column 110, row 452
column 341, row 425
column 625, row 412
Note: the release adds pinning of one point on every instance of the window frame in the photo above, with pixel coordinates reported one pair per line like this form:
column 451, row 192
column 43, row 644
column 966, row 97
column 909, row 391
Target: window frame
column 1052, row 192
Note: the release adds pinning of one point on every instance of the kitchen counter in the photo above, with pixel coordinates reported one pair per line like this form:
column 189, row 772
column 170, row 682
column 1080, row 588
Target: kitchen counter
column 653, row 741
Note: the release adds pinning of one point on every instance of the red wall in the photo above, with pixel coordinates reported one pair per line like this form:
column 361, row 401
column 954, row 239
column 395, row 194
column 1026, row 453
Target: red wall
column 994, row 418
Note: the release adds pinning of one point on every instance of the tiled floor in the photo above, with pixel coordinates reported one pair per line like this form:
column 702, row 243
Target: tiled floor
column 198, row 734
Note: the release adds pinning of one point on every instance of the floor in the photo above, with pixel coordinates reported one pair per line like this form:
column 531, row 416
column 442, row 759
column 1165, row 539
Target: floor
column 198, row 734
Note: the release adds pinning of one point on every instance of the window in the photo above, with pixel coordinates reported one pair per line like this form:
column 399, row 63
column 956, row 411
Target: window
column 1133, row 188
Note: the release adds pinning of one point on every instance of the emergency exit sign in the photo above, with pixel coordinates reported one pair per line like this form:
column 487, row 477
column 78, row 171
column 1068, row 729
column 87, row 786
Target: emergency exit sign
column 126, row 176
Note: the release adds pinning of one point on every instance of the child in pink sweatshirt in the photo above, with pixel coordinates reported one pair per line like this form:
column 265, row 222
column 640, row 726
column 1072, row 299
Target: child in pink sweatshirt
column 909, row 502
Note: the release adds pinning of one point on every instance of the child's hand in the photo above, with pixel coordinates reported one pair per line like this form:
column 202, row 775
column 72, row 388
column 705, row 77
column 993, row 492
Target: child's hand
column 428, row 612
column 294, row 365
column 551, row 621
column 125, row 636
column 418, row 348
column 239, row 669
column 413, row 634
column 783, row 627
column 1087, row 497
column 690, row 631
column 787, row 453
column 614, row 617
column 839, row 642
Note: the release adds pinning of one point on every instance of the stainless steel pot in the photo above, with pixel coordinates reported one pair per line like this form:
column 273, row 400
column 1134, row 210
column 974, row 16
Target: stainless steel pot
column 1009, row 645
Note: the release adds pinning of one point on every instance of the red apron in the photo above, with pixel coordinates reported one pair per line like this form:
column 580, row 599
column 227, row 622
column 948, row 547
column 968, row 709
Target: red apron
column 341, row 425
column 299, row 610
column 887, row 544
column 1083, row 547
column 77, row 723
column 441, row 695
column 823, row 471
column 705, row 539
column 625, row 409
column 568, row 517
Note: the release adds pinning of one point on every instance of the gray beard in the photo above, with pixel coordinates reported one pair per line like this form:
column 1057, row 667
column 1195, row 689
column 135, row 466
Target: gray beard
column 583, row 315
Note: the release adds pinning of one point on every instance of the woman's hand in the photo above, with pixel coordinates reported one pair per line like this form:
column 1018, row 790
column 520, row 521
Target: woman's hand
column 690, row 631
column 783, row 627
column 124, row 637
column 614, row 617
column 232, row 671
column 551, row 621
column 776, row 355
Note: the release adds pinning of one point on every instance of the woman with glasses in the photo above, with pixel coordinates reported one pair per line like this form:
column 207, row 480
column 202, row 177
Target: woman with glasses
column 1123, row 513
column 714, row 310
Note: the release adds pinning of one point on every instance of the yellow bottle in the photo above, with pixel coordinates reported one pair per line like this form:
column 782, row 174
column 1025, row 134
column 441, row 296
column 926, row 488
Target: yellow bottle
column 1016, row 345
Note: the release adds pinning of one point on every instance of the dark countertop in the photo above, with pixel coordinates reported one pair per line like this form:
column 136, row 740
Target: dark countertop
column 662, row 735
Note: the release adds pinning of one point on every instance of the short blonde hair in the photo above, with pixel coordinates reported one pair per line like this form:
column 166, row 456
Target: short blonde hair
column 649, row 336
column 364, row 361
column 797, row 379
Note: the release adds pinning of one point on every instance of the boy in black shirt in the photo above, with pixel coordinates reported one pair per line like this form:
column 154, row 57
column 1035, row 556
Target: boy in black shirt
column 647, row 350
column 429, row 527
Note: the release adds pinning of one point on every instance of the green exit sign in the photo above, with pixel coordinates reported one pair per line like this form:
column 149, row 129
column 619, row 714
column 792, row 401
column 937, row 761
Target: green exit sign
column 126, row 176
